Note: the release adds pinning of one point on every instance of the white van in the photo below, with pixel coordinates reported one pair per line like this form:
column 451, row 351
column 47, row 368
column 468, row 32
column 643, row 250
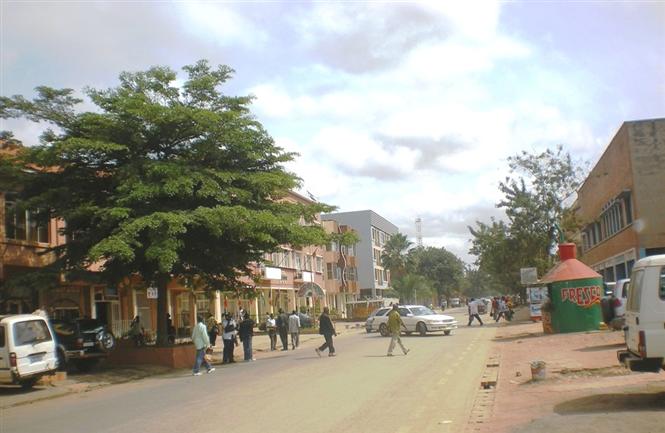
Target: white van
column 645, row 316
column 27, row 349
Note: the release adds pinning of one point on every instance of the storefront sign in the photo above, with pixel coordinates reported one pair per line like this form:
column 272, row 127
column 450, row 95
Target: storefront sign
column 582, row 296
column 152, row 293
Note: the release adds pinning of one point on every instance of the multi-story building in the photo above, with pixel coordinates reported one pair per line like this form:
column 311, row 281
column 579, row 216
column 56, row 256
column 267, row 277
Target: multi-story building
column 374, row 231
column 341, row 276
column 622, row 201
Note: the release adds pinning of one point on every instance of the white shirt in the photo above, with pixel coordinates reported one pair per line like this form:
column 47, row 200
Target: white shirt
column 228, row 335
column 473, row 308
column 294, row 323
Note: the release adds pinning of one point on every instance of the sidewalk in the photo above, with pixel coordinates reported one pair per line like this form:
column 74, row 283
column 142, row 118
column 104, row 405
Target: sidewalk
column 107, row 375
column 583, row 379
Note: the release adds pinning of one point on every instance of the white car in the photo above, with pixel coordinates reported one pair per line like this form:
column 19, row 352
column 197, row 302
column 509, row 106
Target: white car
column 416, row 318
column 27, row 349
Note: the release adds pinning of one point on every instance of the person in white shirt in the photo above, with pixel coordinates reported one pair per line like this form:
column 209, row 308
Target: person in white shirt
column 473, row 311
column 229, row 328
column 271, row 327
column 201, row 343
column 294, row 329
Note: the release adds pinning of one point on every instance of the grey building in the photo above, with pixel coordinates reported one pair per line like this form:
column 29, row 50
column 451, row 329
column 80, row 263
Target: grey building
column 374, row 231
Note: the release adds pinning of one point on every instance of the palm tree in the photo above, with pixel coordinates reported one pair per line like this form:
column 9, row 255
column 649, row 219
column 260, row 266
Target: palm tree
column 394, row 256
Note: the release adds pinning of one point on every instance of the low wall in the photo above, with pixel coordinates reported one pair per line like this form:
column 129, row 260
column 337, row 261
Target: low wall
column 177, row 356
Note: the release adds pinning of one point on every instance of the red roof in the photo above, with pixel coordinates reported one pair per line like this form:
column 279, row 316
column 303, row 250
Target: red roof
column 571, row 269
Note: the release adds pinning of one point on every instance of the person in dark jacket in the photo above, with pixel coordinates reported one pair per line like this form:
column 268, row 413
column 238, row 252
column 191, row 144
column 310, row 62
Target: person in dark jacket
column 246, row 332
column 327, row 329
column 283, row 328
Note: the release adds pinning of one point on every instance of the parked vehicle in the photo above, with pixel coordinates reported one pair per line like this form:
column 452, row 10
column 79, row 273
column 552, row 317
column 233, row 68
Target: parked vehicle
column 613, row 304
column 27, row 349
column 416, row 318
column 645, row 315
column 455, row 302
column 82, row 342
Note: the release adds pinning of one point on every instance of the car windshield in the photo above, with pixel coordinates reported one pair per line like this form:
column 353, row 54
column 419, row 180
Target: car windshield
column 421, row 311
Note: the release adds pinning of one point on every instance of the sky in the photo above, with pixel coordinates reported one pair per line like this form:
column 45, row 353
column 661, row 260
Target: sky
column 410, row 109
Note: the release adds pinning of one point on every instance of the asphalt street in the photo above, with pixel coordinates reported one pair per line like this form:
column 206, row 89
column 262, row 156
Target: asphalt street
column 360, row 390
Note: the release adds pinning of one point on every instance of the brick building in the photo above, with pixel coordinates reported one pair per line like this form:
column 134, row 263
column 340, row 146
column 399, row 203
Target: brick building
column 622, row 201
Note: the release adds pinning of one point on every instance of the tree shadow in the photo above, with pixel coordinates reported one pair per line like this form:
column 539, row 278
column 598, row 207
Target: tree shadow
column 603, row 403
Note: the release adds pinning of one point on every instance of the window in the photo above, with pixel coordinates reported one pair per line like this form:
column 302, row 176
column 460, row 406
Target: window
column 382, row 312
column 25, row 225
column 635, row 292
column 308, row 262
column 31, row 332
column 319, row 264
column 330, row 271
column 384, row 276
column 350, row 273
column 378, row 276
column 2, row 336
column 202, row 304
column 375, row 236
column 403, row 311
column 286, row 259
column 661, row 284
column 297, row 261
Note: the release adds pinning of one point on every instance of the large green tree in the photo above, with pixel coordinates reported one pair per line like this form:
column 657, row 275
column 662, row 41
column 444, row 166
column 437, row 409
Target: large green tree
column 534, row 200
column 443, row 268
column 162, row 180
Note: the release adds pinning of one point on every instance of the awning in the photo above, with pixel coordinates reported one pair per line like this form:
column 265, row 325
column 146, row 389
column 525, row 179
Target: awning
column 310, row 289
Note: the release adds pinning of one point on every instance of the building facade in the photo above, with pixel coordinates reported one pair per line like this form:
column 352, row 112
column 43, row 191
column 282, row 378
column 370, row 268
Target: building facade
column 621, row 204
column 374, row 231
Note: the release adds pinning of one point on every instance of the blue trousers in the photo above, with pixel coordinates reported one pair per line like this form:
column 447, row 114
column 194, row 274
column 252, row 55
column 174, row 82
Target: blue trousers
column 247, row 348
column 200, row 359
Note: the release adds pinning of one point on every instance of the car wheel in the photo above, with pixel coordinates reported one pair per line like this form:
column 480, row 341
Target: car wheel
column 85, row 365
column 422, row 329
column 106, row 341
column 383, row 330
column 29, row 383
column 446, row 332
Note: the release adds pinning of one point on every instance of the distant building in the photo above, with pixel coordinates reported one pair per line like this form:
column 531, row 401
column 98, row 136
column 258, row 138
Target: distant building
column 622, row 201
column 374, row 231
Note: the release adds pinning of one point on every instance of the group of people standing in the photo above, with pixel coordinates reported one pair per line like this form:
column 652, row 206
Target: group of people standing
column 284, row 325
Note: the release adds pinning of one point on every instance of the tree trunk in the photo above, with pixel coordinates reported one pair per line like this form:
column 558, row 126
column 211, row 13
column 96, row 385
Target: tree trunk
column 162, row 310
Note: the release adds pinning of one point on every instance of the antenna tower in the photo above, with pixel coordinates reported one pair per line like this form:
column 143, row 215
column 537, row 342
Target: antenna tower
column 419, row 232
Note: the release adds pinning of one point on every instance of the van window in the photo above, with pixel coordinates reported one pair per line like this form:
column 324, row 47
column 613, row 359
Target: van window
column 635, row 292
column 661, row 288
column 31, row 332
column 2, row 336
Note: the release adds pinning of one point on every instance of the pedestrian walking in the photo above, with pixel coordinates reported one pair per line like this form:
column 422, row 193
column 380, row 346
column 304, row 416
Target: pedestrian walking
column 473, row 312
column 395, row 325
column 213, row 329
column 271, row 327
column 201, row 344
column 327, row 329
column 282, row 322
column 246, row 333
column 229, row 338
column 502, row 309
column 294, row 329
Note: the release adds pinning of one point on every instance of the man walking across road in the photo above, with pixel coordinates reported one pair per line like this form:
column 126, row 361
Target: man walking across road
column 294, row 329
column 473, row 311
column 395, row 325
column 201, row 343
column 283, row 328
column 327, row 329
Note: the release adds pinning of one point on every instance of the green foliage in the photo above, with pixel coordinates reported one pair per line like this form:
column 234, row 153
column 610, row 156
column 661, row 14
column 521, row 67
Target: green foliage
column 162, row 180
column 534, row 202
column 444, row 269
column 394, row 256
column 413, row 287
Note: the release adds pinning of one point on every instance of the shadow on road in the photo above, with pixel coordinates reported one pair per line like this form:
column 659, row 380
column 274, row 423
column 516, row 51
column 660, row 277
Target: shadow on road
column 17, row 390
column 602, row 347
column 605, row 403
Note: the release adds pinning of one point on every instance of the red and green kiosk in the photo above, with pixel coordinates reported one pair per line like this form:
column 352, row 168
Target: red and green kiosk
column 574, row 291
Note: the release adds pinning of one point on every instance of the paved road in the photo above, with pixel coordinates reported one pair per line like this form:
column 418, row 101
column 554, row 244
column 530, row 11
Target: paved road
column 361, row 390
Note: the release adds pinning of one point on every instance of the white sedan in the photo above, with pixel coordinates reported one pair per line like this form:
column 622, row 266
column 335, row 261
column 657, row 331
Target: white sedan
column 416, row 318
